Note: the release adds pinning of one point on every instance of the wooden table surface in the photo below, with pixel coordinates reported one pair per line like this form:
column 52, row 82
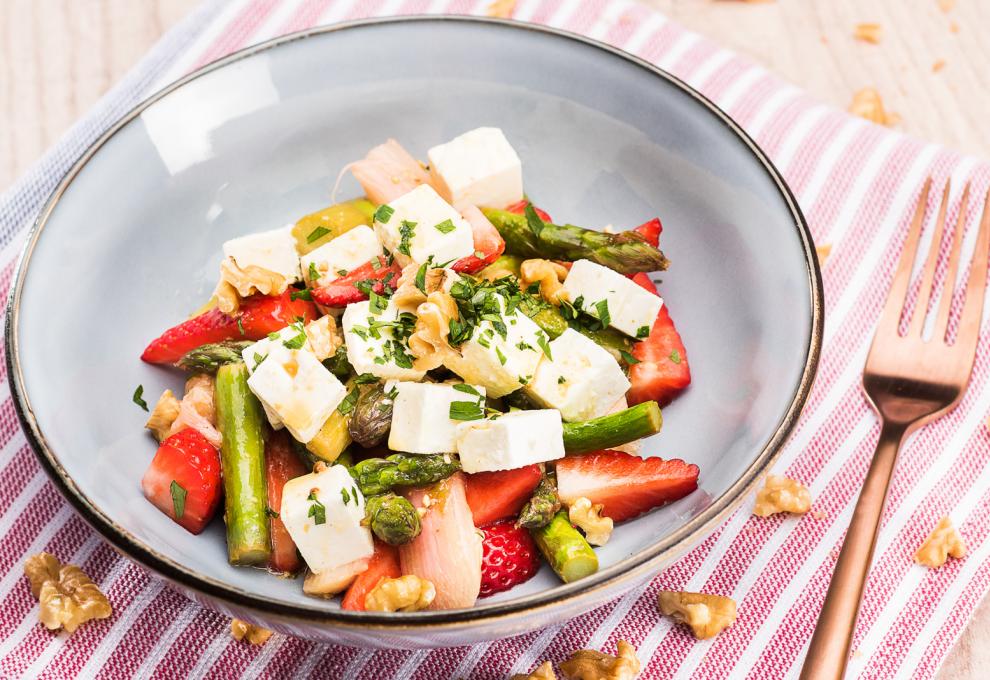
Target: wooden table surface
column 931, row 67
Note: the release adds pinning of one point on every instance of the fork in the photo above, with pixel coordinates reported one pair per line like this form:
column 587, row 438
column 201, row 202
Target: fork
column 910, row 382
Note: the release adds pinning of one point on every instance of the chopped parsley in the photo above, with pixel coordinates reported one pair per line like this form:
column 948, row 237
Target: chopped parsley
column 314, row 273
column 303, row 294
column 445, row 227
column 365, row 286
column 377, row 303
column 421, row 276
column 541, row 340
column 384, row 213
column 342, row 272
column 298, row 340
column 466, row 389
column 317, row 510
column 347, row 405
column 643, row 332
column 240, row 325
column 137, row 397
column 178, row 499
column 561, row 380
column 534, row 221
column 523, row 345
column 602, row 308
column 317, row 234
column 258, row 358
column 346, row 496
column 466, row 410
column 675, row 356
column 628, row 358
column 406, row 233
column 366, row 379
column 271, row 513
column 376, row 263
column 501, row 357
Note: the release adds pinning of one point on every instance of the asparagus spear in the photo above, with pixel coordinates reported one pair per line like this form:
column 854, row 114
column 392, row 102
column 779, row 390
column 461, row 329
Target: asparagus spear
column 567, row 551
column 208, row 358
column 379, row 475
column 392, row 518
column 544, row 504
column 553, row 323
column 242, row 461
column 371, row 418
column 529, row 236
column 614, row 429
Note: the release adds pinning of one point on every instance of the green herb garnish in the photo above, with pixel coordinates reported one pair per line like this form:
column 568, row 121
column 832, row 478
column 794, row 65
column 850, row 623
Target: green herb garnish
column 317, row 234
column 303, row 294
column 541, row 340
column 384, row 213
column 466, row 410
column 445, row 227
column 501, row 357
column 533, row 220
column 137, row 397
column 602, row 308
column 314, row 273
column 628, row 358
column 675, row 356
column 178, row 499
column 406, row 233
column 317, row 510
column 347, row 405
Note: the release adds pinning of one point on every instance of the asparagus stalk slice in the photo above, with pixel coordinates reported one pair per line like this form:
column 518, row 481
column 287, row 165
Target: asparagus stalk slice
column 242, row 460
column 541, row 508
column 208, row 358
column 332, row 438
column 613, row 429
column 567, row 551
column 376, row 476
column 528, row 236
column 392, row 518
column 552, row 322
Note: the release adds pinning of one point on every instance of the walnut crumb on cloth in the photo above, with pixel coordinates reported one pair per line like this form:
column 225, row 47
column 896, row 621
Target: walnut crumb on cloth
column 543, row 672
column 706, row 615
column 781, row 494
column 866, row 103
column 942, row 543
column 68, row 597
column 870, row 33
column 587, row 664
column 242, row 630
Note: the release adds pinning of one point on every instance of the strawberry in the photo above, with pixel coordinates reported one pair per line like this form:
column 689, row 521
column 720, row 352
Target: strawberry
column 663, row 371
column 510, row 557
column 626, row 485
column 281, row 465
column 488, row 243
column 519, row 208
column 258, row 316
column 500, row 495
column 354, row 287
column 183, row 480
column 651, row 231
column 384, row 563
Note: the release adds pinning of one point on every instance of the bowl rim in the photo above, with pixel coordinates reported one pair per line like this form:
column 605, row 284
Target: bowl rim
column 622, row 573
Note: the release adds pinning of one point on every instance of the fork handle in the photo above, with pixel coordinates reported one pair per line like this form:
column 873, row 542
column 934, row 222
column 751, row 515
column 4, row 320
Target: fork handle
column 829, row 649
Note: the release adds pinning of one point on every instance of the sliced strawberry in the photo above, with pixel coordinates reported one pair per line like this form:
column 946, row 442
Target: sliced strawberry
column 642, row 279
column 383, row 564
column 281, row 465
column 258, row 316
column 510, row 557
column 651, row 231
column 183, row 480
column 520, row 207
column 500, row 495
column 354, row 287
column 488, row 243
column 663, row 371
column 626, row 485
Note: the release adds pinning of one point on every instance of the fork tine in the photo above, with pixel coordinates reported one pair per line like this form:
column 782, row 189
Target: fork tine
column 972, row 314
column 920, row 311
column 891, row 316
column 949, row 285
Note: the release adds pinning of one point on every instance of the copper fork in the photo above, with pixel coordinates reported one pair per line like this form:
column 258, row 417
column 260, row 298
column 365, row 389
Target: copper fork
column 910, row 382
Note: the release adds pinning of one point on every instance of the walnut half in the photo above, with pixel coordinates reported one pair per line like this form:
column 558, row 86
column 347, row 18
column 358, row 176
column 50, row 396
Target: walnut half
column 242, row 630
column 781, row 494
column 706, row 615
column 163, row 415
column 943, row 542
column 549, row 275
column 408, row 593
column 68, row 597
column 428, row 342
column 587, row 664
column 543, row 672
column 587, row 517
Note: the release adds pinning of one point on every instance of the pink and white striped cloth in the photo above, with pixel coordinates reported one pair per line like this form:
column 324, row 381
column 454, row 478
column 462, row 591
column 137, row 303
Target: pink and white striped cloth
column 855, row 182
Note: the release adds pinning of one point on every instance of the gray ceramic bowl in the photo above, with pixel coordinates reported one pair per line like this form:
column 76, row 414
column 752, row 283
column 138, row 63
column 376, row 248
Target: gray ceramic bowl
column 130, row 241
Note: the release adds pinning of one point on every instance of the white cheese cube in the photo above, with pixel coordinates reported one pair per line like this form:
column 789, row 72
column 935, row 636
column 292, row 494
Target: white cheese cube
column 272, row 250
column 421, row 421
column 254, row 354
column 500, row 364
column 372, row 346
column 582, row 380
column 297, row 388
column 510, row 441
column 419, row 225
column 323, row 514
column 478, row 168
column 631, row 309
column 339, row 256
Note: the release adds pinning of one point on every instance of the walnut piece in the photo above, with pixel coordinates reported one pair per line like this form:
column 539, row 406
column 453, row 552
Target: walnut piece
column 587, row 664
column 163, row 415
column 706, row 615
column 781, row 494
column 501, row 9
column 942, row 543
column 870, row 33
column 867, row 104
column 68, row 597
column 408, row 593
column 549, row 275
column 323, row 336
column 197, row 409
column 242, row 630
column 543, row 672
column 238, row 282
column 823, row 251
column 428, row 342
column 587, row 517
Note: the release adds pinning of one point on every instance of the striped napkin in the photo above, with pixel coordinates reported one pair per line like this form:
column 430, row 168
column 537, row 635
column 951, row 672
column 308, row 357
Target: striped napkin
column 856, row 183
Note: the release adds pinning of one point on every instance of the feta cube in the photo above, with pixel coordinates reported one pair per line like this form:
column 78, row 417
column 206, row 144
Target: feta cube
column 421, row 420
column 478, row 168
column 631, row 309
column 255, row 353
column 582, row 380
column 339, row 256
column 373, row 348
column 297, row 388
column 272, row 250
column 323, row 513
column 420, row 224
column 510, row 441
column 500, row 364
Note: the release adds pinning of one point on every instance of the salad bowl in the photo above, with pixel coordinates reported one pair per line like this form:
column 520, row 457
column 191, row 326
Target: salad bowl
column 257, row 139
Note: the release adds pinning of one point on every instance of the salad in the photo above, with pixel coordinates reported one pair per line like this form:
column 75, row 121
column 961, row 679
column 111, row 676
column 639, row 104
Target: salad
column 415, row 397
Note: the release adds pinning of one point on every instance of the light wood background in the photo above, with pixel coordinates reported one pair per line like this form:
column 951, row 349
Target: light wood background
column 932, row 67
